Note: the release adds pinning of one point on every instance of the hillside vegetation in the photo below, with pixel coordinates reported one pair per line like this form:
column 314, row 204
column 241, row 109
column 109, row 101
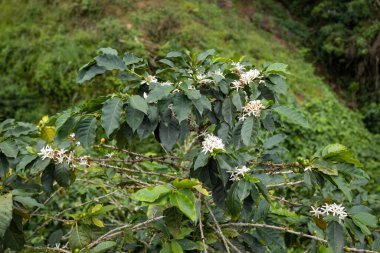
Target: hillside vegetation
column 44, row 43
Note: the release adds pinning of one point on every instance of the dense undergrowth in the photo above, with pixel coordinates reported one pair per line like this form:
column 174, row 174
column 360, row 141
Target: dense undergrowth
column 42, row 47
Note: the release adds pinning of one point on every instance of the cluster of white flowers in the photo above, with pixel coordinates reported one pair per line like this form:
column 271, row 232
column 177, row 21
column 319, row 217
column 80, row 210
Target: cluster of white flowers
column 212, row 142
column 149, row 79
column 238, row 173
column 333, row 209
column 59, row 156
column 249, row 76
column 252, row 108
column 245, row 77
column 238, row 67
column 202, row 78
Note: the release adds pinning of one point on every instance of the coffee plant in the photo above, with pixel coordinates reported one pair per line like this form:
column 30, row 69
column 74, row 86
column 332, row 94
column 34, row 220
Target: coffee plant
column 187, row 157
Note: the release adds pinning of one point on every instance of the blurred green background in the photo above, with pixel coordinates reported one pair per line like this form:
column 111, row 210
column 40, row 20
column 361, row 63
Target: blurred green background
column 330, row 46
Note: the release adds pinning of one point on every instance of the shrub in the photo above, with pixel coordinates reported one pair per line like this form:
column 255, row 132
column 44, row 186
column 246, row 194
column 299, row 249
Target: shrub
column 182, row 160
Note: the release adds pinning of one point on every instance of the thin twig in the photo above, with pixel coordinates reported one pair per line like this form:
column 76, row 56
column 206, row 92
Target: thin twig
column 136, row 170
column 116, row 231
column 218, row 230
column 201, row 227
column 47, row 249
column 285, row 184
column 68, row 209
column 260, row 225
column 283, row 200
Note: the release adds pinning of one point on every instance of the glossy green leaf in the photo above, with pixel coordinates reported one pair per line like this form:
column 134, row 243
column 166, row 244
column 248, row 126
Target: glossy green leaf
column 159, row 92
column 103, row 247
column 138, row 103
column 291, row 115
column 152, row 193
column 111, row 115
column 184, row 200
column 246, row 130
column 86, row 131
column 62, row 174
column 9, row 148
column 335, row 237
column 134, row 118
column 6, row 206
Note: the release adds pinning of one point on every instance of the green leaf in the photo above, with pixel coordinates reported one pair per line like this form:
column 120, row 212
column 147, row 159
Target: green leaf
column 193, row 94
column 246, row 130
column 343, row 187
column 228, row 111
column 169, row 134
column 202, row 56
column 335, row 237
column 159, row 92
column 103, row 247
column 279, row 84
column 62, row 174
column 25, row 160
column 291, row 115
column 6, row 207
column 4, row 165
column 138, row 103
column 110, row 62
column 233, row 202
column 130, row 58
column 184, row 200
column 28, row 201
column 9, row 149
column 236, row 100
column 89, row 71
column 14, row 236
column 80, row 236
column 39, row 166
column 111, row 115
column 365, row 218
column 174, row 54
column 274, row 141
column 339, row 152
column 201, row 160
column 272, row 237
column 86, row 131
column 275, row 68
column 185, row 183
column 182, row 107
column 152, row 193
column 134, row 118
column 176, row 247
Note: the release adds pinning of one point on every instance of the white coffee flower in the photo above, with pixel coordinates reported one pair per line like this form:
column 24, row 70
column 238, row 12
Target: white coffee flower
column 308, row 168
column 238, row 66
column 167, row 83
column 218, row 73
column 84, row 161
column 149, row 79
column 145, row 96
column 72, row 136
column 237, row 85
column 249, row 76
column 110, row 155
column 327, row 209
column 77, row 143
column 212, row 142
column 202, row 78
column 238, row 173
column 252, row 108
column 47, row 152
